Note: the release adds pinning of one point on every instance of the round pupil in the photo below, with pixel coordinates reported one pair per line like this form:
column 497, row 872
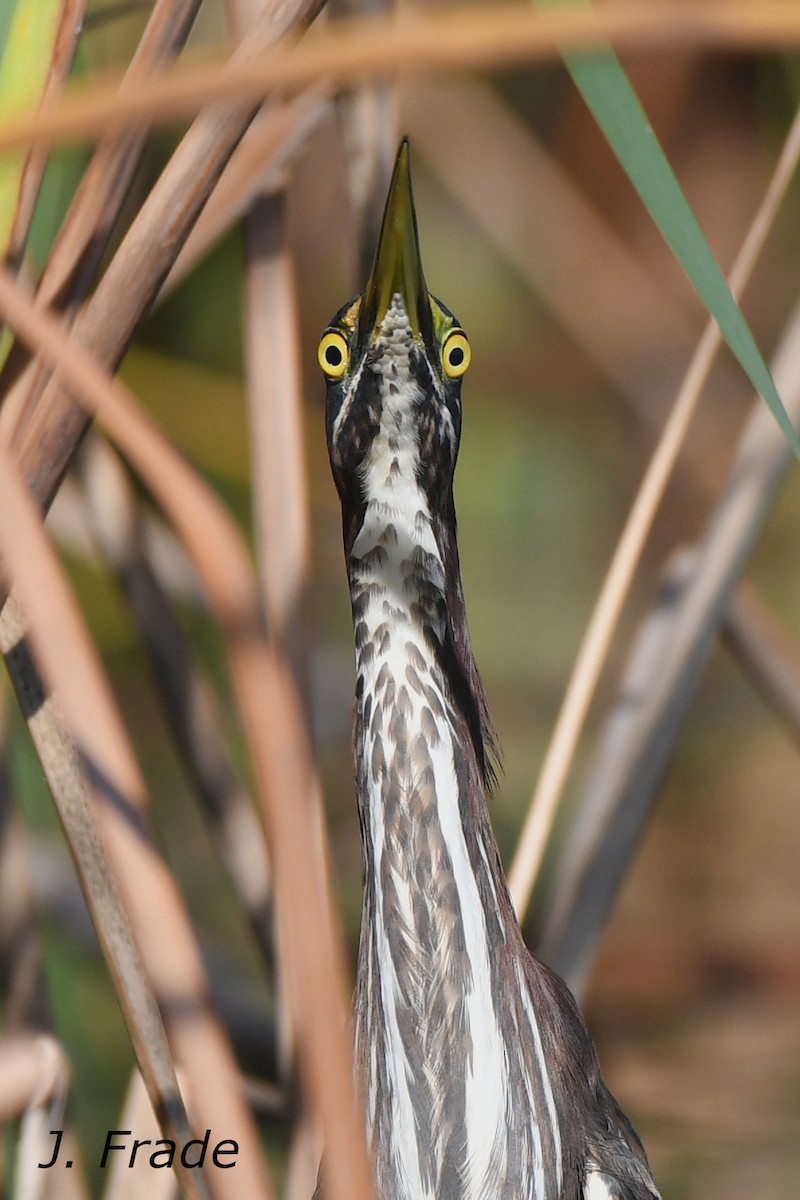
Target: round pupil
column 456, row 356
column 333, row 356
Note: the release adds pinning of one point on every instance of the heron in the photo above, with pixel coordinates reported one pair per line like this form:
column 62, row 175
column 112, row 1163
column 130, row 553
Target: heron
column 478, row 1077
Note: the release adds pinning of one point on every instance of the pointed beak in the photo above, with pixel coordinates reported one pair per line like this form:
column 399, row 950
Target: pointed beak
column 398, row 265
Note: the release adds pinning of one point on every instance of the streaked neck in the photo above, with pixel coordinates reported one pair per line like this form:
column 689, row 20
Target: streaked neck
column 435, row 1018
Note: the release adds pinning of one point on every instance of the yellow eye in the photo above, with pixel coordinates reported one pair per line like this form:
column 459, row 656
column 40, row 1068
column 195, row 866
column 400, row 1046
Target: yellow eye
column 456, row 354
column 333, row 354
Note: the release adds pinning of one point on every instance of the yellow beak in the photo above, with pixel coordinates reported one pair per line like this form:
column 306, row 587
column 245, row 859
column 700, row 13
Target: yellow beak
column 398, row 264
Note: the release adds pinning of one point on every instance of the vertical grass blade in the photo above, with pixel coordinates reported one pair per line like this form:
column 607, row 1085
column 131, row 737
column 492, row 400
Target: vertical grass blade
column 24, row 71
column 601, row 80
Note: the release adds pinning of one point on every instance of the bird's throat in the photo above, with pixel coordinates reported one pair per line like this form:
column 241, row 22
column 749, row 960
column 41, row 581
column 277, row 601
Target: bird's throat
column 424, row 968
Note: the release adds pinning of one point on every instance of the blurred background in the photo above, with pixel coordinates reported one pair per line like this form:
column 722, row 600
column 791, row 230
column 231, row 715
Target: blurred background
column 581, row 326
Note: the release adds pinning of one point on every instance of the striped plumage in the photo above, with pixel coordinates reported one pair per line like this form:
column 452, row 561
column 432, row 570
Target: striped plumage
column 477, row 1074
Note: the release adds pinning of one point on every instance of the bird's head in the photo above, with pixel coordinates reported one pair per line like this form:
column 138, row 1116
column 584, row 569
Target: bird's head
column 395, row 355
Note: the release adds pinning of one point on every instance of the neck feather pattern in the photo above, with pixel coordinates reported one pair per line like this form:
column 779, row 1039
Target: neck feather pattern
column 440, row 1026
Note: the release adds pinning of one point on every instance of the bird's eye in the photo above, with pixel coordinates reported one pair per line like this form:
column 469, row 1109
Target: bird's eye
column 456, row 354
column 333, row 354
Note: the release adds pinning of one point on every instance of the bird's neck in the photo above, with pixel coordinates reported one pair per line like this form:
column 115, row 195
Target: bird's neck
column 420, row 720
column 420, row 769
column 437, row 916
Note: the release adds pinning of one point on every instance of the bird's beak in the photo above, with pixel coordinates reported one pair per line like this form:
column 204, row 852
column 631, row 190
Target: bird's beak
column 398, row 265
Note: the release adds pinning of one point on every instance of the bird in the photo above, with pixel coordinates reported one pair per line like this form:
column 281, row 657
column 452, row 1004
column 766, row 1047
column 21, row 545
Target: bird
column 478, row 1077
